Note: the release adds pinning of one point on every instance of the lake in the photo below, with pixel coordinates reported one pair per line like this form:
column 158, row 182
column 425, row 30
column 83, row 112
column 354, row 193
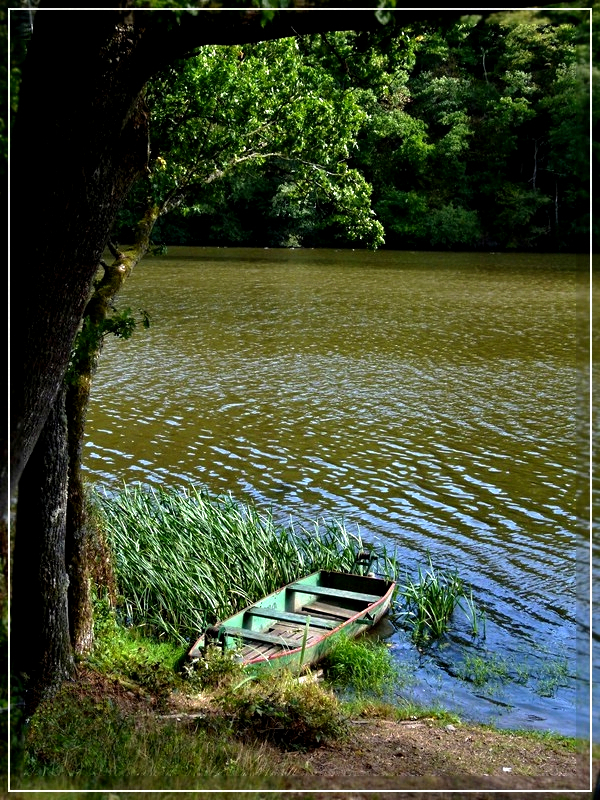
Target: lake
column 435, row 401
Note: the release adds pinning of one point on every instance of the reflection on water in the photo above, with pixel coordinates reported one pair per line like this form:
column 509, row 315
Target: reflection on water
column 429, row 398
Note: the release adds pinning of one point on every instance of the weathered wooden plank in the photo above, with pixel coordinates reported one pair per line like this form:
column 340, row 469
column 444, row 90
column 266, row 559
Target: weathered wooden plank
column 256, row 636
column 325, row 591
column 334, row 611
column 290, row 616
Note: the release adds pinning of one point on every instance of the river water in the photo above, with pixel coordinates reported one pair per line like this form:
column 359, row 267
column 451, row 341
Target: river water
column 435, row 401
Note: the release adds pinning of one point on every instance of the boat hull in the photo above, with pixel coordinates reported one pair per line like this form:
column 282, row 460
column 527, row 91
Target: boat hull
column 296, row 626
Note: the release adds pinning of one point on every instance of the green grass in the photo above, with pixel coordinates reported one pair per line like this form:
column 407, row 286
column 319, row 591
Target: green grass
column 362, row 665
column 85, row 738
column 125, row 653
column 90, row 743
column 276, row 707
column 185, row 559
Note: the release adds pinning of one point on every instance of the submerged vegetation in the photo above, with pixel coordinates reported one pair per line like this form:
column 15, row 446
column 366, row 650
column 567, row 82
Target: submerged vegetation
column 492, row 672
column 430, row 602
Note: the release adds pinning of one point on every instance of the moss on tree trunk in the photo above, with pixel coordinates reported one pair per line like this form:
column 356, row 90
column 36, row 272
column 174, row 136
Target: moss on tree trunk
column 80, row 538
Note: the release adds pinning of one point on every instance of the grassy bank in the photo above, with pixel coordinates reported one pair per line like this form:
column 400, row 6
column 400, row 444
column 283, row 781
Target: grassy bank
column 108, row 733
column 140, row 716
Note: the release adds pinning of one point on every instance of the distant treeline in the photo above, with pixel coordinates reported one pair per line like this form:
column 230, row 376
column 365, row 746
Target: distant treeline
column 476, row 136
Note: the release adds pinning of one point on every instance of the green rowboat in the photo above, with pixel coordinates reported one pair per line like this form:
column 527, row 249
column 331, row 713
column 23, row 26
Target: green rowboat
column 297, row 625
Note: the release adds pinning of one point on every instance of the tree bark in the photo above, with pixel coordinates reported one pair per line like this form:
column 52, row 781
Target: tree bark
column 40, row 644
column 78, row 150
column 78, row 384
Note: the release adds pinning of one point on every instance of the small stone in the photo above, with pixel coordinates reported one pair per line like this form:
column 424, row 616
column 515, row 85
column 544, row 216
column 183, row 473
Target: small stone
column 450, row 728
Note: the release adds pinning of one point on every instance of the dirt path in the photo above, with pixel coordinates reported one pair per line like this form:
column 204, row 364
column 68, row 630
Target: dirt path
column 423, row 754
column 427, row 754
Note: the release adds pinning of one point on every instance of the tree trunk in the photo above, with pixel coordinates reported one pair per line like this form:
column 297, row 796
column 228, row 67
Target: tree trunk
column 78, row 385
column 78, row 534
column 78, row 149
column 40, row 643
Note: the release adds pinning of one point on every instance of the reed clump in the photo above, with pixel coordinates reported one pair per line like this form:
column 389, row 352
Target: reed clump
column 430, row 601
column 184, row 558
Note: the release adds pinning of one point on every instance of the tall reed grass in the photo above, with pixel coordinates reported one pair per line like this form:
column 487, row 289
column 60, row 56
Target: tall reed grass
column 185, row 559
column 430, row 602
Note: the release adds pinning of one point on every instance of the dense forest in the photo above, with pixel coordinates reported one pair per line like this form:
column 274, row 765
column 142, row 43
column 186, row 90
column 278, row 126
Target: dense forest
column 467, row 137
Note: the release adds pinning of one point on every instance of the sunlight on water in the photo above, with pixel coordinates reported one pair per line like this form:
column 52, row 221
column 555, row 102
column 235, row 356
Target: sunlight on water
column 428, row 398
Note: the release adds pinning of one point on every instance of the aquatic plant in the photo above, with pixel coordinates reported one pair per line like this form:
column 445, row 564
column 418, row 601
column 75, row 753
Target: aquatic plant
column 481, row 670
column 493, row 671
column 475, row 616
column 185, row 559
column 554, row 673
column 430, row 601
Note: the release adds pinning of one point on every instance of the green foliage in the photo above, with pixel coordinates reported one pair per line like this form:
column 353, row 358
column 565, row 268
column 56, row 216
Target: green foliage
column 231, row 113
column 363, row 665
column 121, row 323
column 184, row 559
column 453, row 226
column 123, row 652
column 430, row 601
column 84, row 741
column 554, row 673
column 461, row 140
column 278, row 708
column 217, row 668
column 482, row 671
column 469, row 135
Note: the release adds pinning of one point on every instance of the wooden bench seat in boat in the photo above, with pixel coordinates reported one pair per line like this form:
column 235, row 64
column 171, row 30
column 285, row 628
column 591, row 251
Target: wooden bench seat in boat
column 335, row 611
column 324, row 591
column 290, row 616
column 256, row 636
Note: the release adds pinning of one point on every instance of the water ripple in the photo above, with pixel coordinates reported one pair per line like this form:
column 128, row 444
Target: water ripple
column 426, row 409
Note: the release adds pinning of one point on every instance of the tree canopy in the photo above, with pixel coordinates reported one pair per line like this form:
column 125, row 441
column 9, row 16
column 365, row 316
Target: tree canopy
column 474, row 135
column 315, row 131
column 95, row 137
column 236, row 115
